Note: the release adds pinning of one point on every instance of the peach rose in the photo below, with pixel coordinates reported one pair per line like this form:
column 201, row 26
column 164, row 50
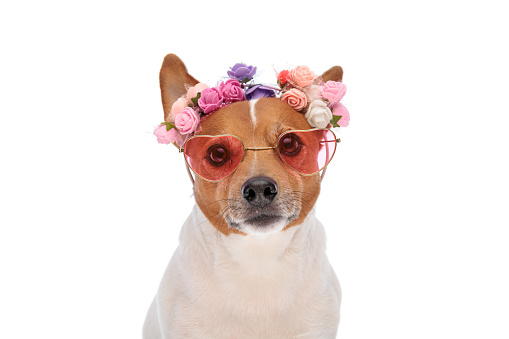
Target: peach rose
column 176, row 108
column 193, row 91
column 302, row 76
column 295, row 98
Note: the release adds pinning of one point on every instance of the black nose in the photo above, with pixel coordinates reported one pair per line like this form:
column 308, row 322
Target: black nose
column 259, row 191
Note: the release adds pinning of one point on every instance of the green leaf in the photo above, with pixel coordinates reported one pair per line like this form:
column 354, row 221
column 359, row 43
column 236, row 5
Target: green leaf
column 169, row 125
column 246, row 80
column 195, row 99
column 335, row 119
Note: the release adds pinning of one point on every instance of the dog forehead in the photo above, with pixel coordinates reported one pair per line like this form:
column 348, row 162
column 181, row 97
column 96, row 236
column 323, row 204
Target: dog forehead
column 262, row 117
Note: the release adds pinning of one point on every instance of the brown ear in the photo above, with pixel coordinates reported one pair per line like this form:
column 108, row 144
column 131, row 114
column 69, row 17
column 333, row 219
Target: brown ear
column 172, row 79
column 333, row 74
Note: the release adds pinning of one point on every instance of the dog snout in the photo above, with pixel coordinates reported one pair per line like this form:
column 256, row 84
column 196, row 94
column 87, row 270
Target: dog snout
column 259, row 191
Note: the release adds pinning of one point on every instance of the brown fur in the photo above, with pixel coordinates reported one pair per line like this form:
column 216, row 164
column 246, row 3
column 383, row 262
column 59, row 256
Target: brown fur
column 333, row 74
column 297, row 194
column 273, row 118
column 172, row 79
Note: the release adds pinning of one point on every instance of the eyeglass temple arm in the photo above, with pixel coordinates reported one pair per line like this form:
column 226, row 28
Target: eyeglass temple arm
column 325, row 169
column 181, row 150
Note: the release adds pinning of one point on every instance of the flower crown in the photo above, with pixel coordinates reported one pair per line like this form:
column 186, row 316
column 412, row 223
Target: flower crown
column 299, row 87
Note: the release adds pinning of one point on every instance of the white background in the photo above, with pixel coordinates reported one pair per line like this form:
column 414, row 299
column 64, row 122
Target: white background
column 415, row 203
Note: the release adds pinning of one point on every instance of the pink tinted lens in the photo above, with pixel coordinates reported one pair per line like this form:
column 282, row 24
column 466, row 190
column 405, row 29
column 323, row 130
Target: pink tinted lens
column 307, row 152
column 213, row 157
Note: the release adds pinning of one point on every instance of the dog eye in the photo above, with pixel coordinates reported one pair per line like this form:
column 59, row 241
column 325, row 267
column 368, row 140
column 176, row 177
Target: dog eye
column 217, row 155
column 290, row 144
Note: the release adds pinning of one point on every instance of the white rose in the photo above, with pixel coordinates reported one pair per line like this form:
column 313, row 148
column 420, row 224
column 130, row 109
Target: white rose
column 318, row 114
column 314, row 92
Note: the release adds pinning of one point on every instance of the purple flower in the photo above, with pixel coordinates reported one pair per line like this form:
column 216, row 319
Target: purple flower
column 259, row 91
column 242, row 72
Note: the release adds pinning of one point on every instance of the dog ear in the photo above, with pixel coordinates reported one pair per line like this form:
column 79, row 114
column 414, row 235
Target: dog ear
column 333, row 74
column 173, row 79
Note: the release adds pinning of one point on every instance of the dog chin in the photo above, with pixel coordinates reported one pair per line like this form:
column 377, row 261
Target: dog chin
column 261, row 224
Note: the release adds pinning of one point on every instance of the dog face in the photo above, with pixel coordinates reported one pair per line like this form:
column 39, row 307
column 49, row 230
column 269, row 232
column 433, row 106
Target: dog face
column 263, row 195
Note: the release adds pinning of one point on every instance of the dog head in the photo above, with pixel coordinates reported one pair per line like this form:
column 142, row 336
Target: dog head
column 263, row 194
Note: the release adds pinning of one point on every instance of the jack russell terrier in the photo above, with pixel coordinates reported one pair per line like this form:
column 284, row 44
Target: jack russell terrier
column 251, row 262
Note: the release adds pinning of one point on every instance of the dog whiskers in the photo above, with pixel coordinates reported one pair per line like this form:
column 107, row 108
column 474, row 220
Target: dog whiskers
column 218, row 214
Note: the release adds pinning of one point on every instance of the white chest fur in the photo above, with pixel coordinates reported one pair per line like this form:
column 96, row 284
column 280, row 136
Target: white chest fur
column 279, row 285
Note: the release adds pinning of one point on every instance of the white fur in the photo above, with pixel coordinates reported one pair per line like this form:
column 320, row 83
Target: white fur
column 252, row 110
column 278, row 285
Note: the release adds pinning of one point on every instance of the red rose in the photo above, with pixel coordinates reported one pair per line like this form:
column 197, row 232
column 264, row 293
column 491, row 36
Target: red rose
column 282, row 77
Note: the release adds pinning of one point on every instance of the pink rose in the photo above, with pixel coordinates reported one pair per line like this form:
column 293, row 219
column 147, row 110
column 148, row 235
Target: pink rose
column 302, row 76
column 211, row 100
column 176, row 108
column 231, row 91
column 187, row 121
column 164, row 136
column 339, row 109
column 333, row 91
column 295, row 98
column 193, row 91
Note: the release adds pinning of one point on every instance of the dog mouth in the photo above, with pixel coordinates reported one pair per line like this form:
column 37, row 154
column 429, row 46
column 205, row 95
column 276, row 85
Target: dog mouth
column 259, row 220
column 261, row 211
column 263, row 219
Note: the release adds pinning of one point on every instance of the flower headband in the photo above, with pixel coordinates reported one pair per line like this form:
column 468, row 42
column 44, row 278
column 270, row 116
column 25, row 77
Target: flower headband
column 300, row 88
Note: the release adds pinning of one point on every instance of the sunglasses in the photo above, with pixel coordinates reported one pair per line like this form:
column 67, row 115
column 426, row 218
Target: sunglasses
column 215, row 157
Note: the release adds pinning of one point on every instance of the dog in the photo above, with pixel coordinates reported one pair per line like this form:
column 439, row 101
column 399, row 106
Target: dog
column 251, row 261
